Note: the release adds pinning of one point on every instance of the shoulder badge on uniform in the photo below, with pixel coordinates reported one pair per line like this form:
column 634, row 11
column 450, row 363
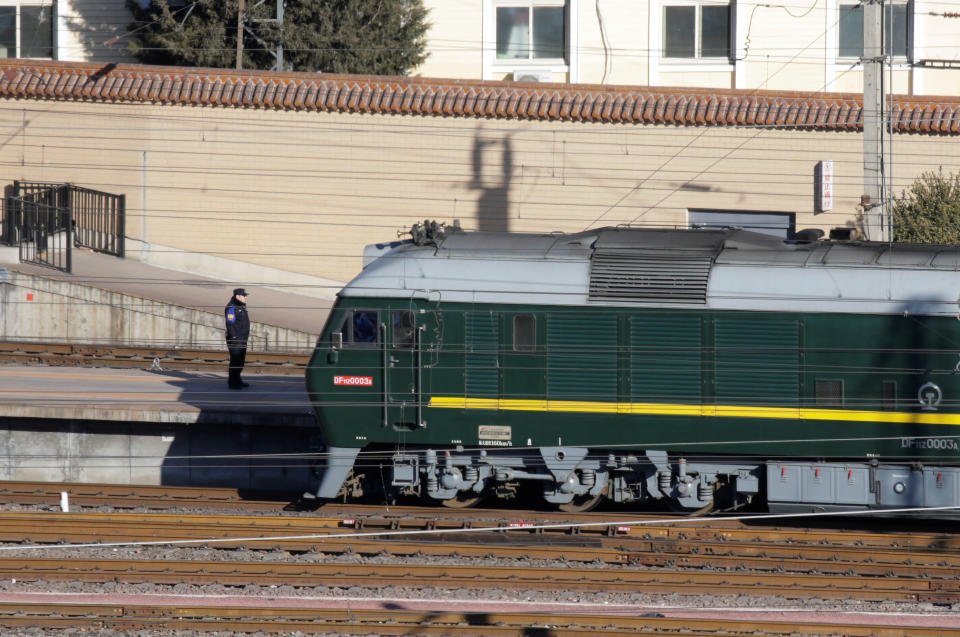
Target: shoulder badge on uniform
column 231, row 317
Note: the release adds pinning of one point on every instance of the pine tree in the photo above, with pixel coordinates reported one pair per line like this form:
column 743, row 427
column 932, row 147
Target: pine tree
column 929, row 211
column 379, row 37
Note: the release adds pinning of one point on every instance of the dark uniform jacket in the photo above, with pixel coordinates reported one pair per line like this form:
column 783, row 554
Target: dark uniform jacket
column 238, row 323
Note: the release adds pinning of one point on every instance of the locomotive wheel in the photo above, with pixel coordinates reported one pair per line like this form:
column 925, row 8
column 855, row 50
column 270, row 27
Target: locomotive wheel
column 464, row 500
column 583, row 503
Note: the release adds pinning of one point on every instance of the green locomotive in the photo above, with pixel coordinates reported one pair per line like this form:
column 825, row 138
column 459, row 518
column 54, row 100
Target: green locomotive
column 706, row 368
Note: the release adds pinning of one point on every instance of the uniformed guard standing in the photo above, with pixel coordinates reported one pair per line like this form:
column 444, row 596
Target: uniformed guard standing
column 238, row 330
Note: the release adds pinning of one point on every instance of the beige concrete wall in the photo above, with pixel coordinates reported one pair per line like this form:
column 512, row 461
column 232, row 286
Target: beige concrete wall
column 151, row 454
column 34, row 308
column 303, row 192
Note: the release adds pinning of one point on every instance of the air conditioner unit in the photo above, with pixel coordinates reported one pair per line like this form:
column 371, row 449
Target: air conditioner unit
column 532, row 75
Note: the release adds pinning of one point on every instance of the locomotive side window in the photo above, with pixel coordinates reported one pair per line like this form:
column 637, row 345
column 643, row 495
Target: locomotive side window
column 404, row 330
column 360, row 328
column 829, row 393
column 524, row 333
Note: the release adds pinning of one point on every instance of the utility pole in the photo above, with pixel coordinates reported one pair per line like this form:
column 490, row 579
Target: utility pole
column 875, row 206
column 241, row 9
column 277, row 53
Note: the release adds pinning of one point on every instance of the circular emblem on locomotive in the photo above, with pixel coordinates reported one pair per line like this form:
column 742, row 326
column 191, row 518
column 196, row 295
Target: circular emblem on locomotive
column 929, row 396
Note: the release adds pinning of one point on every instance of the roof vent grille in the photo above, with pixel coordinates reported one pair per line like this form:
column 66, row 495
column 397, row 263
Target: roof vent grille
column 650, row 276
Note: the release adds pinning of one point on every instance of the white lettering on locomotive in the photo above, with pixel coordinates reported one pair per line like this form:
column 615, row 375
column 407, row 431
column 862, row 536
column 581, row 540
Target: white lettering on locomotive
column 929, row 443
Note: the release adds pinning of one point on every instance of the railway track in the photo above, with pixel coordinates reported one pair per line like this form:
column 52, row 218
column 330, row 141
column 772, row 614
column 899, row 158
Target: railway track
column 726, row 561
column 273, row 619
column 121, row 496
column 350, row 546
column 79, row 355
column 486, row 577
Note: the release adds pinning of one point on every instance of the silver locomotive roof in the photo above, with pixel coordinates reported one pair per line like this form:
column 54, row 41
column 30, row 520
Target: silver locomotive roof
column 712, row 269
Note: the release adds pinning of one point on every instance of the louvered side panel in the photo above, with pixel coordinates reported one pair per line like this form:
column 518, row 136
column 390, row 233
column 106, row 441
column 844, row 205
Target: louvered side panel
column 627, row 275
column 757, row 360
column 582, row 357
column 481, row 373
column 665, row 358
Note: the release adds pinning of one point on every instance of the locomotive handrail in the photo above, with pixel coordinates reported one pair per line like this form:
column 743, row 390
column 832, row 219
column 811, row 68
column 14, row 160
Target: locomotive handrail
column 418, row 345
column 386, row 373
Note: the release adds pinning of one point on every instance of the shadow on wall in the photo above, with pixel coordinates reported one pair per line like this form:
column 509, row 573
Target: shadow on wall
column 493, row 204
column 94, row 31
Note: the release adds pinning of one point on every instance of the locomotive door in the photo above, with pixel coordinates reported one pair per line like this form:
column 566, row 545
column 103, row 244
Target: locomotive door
column 347, row 380
column 407, row 350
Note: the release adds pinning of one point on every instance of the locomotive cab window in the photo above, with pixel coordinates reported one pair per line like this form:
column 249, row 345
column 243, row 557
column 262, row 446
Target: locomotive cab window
column 360, row 328
column 524, row 333
column 404, row 330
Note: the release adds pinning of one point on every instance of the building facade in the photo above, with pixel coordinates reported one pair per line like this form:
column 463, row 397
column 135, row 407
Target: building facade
column 284, row 177
column 797, row 45
column 812, row 46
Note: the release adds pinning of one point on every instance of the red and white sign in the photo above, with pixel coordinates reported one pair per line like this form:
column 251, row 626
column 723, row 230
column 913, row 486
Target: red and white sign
column 361, row 381
column 826, row 186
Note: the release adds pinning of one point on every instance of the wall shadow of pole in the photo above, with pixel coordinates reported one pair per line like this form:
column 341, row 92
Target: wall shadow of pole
column 493, row 205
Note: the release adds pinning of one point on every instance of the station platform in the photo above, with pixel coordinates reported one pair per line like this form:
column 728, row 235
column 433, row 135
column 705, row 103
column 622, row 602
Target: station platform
column 161, row 397
column 127, row 276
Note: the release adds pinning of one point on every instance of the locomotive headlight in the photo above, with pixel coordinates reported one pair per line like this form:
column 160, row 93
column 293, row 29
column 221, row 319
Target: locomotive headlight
column 899, row 487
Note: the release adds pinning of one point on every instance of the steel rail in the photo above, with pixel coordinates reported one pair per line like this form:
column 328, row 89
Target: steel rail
column 662, row 543
column 424, row 576
column 271, row 619
column 935, row 573
column 340, row 519
column 665, row 553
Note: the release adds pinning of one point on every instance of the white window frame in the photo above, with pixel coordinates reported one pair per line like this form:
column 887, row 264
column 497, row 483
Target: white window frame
column 698, row 28
column 658, row 62
column 18, row 4
column 492, row 66
column 836, row 66
column 899, row 61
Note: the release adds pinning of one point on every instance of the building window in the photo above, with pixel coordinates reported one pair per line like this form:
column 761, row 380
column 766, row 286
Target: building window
column 531, row 30
column 26, row 29
column 851, row 30
column 696, row 30
column 777, row 224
